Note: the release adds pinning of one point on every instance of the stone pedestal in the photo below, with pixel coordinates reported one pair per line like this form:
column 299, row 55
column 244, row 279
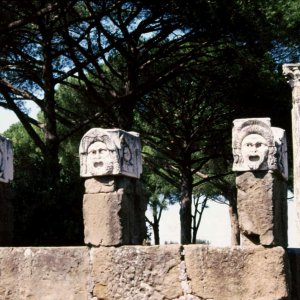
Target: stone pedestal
column 262, row 208
column 113, row 205
column 260, row 160
column 113, row 212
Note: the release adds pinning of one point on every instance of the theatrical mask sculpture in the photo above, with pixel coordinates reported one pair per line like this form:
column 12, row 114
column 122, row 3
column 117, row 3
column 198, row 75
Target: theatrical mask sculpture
column 254, row 151
column 253, row 145
column 101, row 159
column 110, row 152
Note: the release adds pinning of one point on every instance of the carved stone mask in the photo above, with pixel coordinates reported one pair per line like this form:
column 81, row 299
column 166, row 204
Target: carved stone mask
column 110, row 152
column 254, row 150
column 99, row 159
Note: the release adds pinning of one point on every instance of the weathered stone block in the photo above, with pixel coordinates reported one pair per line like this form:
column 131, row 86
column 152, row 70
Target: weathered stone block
column 115, row 218
column 237, row 273
column 262, row 208
column 44, row 273
column 110, row 152
column 108, row 184
column 102, row 222
column 97, row 185
column 151, row 272
column 136, row 273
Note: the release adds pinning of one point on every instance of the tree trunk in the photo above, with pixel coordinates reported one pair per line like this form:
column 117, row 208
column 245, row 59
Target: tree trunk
column 185, row 208
column 51, row 161
column 128, row 103
column 156, row 233
column 155, row 224
column 51, row 138
column 196, row 222
column 234, row 221
column 194, row 235
column 50, row 131
column 125, row 114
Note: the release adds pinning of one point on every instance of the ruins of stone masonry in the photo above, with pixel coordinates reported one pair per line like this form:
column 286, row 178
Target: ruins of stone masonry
column 292, row 74
column 260, row 163
column 113, row 205
column 113, row 264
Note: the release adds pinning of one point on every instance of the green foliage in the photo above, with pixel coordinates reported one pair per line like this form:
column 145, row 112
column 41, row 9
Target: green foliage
column 43, row 216
column 186, row 69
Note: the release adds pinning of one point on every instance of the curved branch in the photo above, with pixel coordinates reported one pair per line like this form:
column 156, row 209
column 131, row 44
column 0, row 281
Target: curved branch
column 23, row 119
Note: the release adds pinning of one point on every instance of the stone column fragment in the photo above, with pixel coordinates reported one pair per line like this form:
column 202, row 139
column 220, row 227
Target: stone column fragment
column 292, row 74
column 260, row 160
column 113, row 204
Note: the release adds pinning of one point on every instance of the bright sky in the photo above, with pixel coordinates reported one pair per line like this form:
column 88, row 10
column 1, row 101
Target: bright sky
column 7, row 118
column 215, row 224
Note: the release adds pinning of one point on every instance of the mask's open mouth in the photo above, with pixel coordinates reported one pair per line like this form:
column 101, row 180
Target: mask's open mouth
column 98, row 164
column 254, row 158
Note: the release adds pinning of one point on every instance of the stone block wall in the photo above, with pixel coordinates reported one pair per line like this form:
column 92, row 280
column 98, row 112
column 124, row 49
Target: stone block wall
column 144, row 272
column 44, row 273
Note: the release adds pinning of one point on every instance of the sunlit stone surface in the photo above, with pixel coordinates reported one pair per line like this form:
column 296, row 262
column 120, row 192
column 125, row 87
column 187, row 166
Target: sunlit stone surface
column 260, row 160
column 110, row 152
column 258, row 146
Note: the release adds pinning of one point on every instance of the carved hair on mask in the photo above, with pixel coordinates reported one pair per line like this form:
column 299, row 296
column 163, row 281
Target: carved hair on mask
column 253, row 145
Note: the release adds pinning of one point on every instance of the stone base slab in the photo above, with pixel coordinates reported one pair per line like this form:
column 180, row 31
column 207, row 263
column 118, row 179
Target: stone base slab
column 144, row 272
column 238, row 273
column 44, row 273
